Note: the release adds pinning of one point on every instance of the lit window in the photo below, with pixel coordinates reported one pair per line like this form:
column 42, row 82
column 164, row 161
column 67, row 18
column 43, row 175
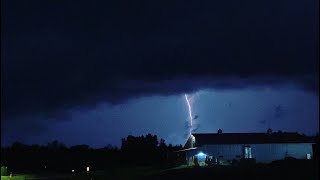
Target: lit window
column 247, row 152
column 88, row 169
column 308, row 156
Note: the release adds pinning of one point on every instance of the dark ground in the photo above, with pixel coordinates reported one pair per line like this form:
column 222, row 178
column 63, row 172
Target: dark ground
column 302, row 171
column 226, row 173
column 292, row 171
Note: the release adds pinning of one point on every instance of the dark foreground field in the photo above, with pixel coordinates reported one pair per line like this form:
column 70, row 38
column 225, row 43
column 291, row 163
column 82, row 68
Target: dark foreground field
column 281, row 170
column 288, row 169
column 237, row 173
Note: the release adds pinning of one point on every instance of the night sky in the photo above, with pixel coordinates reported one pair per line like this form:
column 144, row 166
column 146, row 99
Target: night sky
column 93, row 72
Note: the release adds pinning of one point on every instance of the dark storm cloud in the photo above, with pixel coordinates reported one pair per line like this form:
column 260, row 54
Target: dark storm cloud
column 12, row 131
column 64, row 54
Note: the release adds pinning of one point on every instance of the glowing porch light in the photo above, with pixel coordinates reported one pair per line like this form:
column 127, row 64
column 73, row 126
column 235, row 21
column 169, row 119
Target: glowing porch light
column 201, row 154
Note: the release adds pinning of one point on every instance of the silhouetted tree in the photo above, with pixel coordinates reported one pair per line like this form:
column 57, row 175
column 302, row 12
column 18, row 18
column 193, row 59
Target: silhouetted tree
column 55, row 156
column 56, row 145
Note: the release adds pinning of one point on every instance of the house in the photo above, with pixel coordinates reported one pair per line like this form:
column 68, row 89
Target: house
column 223, row 148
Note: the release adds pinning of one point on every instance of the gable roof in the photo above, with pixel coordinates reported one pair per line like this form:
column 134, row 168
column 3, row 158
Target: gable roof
column 247, row 138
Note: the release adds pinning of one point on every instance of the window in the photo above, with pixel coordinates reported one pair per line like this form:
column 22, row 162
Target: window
column 247, row 152
column 308, row 156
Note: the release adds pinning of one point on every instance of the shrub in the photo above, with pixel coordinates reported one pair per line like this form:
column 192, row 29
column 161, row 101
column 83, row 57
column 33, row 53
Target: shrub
column 195, row 161
column 4, row 171
column 235, row 162
column 247, row 162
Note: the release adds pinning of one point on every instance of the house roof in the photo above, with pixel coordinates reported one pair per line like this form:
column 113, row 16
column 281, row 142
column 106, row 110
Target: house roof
column 248, row 138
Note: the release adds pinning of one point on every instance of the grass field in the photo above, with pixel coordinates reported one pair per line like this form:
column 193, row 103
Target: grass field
column 264, row 172
column 119, row 173
column 19, row 177
column 248, row 173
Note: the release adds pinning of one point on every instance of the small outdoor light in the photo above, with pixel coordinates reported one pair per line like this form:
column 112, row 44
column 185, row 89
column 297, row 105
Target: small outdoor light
column 72, row 170
column 88, row 169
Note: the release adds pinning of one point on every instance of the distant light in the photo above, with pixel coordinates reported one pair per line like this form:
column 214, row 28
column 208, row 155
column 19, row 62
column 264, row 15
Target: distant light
column 201, row 154
column 88, row 169
column 72, row 170
column 45, row 167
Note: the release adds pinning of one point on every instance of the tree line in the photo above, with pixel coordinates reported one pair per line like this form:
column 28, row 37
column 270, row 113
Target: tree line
column 56, row 157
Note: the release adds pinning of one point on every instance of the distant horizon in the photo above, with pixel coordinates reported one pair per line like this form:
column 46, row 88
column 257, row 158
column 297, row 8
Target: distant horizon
column 98, row 147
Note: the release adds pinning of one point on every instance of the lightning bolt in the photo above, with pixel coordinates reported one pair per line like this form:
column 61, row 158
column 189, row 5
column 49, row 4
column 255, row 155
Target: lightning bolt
column 190, row 112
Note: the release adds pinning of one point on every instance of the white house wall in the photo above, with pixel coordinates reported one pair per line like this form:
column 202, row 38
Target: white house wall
column 261, row 152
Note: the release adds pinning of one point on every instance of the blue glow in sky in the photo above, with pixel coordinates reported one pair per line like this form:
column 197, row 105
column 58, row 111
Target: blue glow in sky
column 247, row 110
